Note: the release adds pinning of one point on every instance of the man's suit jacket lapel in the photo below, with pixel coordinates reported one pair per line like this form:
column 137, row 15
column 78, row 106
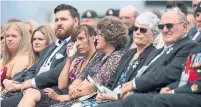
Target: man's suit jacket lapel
column 130, row 74
column 125, row 60
column 62, row 52
column 153, row 55
column 167, row 55
column 198, row 39
column 44, row 55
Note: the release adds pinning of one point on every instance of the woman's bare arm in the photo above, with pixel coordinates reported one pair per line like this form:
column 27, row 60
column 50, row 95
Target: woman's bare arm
column 63, row 77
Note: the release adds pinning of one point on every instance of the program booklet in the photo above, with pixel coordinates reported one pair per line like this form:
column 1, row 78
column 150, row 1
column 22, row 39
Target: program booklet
column 104, row 89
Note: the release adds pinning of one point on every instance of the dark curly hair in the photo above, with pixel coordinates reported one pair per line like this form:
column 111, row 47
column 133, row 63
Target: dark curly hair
column 114, row 32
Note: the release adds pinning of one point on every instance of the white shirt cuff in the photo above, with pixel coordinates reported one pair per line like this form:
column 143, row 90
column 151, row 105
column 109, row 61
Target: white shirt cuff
column 33, row 83
column 172, row 92
column 134, row 84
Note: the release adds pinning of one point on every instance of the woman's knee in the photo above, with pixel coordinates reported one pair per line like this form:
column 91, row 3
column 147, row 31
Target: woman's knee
column 33, row 94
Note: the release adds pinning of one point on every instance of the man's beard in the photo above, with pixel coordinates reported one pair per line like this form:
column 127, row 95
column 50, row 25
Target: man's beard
column 63, row 34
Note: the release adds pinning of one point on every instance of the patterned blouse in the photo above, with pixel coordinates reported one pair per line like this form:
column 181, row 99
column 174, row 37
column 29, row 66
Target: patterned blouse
column 99, row 70
column 73, row 74
column 107, row 67
column 91, row 67
column 122, row 78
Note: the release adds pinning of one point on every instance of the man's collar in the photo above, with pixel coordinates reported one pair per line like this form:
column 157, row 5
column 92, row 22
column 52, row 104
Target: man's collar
column 170, row 45
column 58, row 42
column 184, row 36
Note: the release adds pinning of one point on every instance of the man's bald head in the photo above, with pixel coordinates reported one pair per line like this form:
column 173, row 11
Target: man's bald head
column 130, row 9
column 128, row 15
column 173, row 26
column 178, row 16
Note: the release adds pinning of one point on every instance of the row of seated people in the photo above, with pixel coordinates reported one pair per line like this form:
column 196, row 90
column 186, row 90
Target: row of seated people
column 61, row 73
column 21, row 49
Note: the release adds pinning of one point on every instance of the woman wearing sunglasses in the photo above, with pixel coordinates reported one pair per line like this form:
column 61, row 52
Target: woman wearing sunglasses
column 145, row 30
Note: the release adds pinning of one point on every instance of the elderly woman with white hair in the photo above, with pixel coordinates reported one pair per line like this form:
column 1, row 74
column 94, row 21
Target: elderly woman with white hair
column 145, row 30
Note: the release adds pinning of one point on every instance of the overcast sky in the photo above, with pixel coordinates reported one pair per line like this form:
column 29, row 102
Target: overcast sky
column 41, row 11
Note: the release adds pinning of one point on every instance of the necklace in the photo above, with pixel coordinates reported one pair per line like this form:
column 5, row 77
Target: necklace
column 84, row 62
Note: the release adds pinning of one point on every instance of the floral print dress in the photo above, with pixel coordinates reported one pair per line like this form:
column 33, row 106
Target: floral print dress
column 101, row 72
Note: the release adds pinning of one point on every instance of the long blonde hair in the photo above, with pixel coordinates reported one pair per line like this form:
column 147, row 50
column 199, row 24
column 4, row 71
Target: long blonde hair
column 49, row 35
column 3, row 30
column 24, row 46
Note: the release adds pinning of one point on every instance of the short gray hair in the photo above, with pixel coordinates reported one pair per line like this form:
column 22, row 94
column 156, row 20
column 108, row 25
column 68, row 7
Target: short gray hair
column 150, row 19
column 182, row 16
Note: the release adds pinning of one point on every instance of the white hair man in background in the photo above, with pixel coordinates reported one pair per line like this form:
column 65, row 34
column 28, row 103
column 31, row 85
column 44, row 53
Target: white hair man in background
column 128, row 15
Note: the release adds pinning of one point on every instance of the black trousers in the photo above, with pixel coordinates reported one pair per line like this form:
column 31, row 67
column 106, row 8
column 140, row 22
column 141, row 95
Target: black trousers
column 118, row 103
column 11, row 102
column 135, row 100
column 46, row 101
column 176, row 100
column 157, row 100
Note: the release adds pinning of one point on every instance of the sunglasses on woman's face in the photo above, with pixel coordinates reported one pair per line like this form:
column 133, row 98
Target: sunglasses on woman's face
column 168, row 25
column 142, row 30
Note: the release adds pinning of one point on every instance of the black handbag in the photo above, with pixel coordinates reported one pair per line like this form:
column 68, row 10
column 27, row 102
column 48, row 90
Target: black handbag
column 26, row 74
column 19, row 77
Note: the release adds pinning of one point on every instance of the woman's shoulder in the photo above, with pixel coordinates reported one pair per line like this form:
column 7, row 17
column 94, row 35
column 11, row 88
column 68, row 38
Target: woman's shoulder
column 99, row 54
column 117, row 53
column 115, row 56
column 21, row 58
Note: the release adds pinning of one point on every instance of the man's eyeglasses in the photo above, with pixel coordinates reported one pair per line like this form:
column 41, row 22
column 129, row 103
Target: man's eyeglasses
column 142, row 30
column 168, row 25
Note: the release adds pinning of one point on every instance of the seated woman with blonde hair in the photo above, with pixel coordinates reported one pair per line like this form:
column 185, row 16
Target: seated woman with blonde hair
column 16, row 50
column 3, row 30
column 42, row 36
